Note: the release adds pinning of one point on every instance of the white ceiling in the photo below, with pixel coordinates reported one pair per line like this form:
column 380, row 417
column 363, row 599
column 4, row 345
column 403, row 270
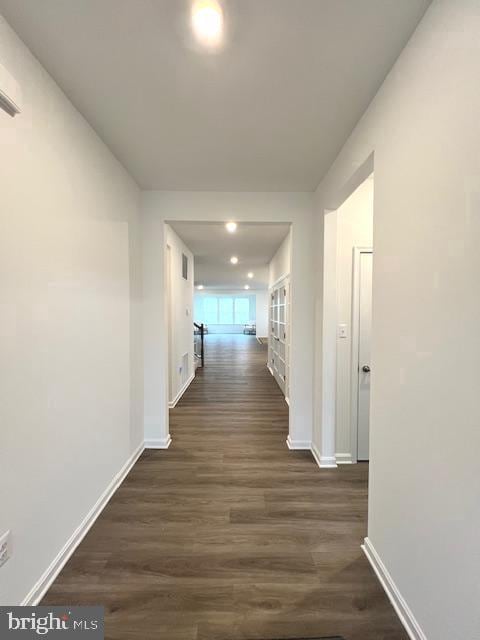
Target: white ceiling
column 267, row 113
column 212, row 245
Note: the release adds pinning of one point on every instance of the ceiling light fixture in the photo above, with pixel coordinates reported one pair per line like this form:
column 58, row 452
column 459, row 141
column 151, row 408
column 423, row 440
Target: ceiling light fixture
column 207, row 22
column 250, row 275
column 200, row 286
column 231, row 227
column 234, row 260
column 247, row 286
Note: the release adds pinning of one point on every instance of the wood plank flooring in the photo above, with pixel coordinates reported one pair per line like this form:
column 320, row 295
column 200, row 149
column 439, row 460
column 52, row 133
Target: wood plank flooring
column 228, row 535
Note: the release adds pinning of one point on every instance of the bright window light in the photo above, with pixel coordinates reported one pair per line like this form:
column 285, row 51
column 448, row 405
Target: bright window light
column 207, row 22
column 225, row 310
column 231, row 227
column 242, row 310
column 200, row 287
column 250, row 275
column 234, row 260
column 247, row 286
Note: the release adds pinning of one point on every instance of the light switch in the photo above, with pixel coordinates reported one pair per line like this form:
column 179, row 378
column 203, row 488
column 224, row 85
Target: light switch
column 342, row 330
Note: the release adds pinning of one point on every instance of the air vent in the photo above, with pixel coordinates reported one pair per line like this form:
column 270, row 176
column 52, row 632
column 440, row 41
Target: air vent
column 184, row 266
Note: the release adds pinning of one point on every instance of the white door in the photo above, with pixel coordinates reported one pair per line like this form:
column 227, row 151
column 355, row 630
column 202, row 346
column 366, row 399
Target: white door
column 364, row 335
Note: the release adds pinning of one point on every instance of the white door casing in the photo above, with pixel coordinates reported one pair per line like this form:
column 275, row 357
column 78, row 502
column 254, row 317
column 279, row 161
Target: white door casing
column 168, row 279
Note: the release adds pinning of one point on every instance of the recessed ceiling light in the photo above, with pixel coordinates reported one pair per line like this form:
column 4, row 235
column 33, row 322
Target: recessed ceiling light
column 200, row 286
column 234, row 259
column 207, row 22
column 249, row 274
column 247, row 286
column 231, row 227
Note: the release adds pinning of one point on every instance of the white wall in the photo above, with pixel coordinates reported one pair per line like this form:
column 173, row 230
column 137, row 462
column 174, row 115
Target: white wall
column 280, row 264
column 71, row 367
column 181, row 314
column 296, row 208
column 424, row 130
column 354, row 228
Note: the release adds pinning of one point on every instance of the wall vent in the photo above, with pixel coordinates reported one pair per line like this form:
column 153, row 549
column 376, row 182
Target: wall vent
column 184, row 266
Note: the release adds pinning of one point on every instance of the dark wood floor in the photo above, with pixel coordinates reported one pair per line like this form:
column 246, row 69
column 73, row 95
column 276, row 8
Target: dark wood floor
column 228, row 535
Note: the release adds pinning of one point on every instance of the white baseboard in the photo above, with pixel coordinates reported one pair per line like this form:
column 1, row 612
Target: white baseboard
column 172, row 403
column 270, row 369
column 344, row 458
column 44, row 583
column 158, row 443
column 298, row 444
column 401, row 607
column 324, row 462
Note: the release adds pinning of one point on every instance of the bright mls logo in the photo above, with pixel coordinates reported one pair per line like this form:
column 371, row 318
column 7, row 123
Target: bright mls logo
column 56, row 622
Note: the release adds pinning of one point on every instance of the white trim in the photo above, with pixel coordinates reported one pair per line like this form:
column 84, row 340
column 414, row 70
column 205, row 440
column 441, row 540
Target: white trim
column 10, row 93
column 298, row 444
column 326, row 414
column 287, row 400
column 44, row 583
column 173, row 403
column 278, row 280
column 398, row 602
column 344, row 458
column 158, row 443
column 324, row 462
column 357, row 251
column 270, row 369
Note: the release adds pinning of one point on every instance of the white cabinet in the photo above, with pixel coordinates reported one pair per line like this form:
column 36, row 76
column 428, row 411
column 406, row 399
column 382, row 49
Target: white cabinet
column 279, row 334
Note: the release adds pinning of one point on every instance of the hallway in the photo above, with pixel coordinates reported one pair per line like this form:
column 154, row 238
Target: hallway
column 228, row 535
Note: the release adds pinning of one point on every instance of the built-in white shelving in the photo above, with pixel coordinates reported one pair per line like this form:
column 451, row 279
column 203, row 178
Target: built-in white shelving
column 279, row 334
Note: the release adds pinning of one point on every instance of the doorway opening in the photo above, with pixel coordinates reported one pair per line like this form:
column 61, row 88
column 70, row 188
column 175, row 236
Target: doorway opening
column 228, row 313
column 348, row 315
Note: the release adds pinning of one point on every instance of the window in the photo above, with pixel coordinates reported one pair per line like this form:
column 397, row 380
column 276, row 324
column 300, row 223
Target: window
column 242, row 310
column 225, row 309
column 210, row 311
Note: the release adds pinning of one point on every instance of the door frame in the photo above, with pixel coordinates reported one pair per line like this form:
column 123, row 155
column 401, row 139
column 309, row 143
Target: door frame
column 168, row 282
column 355, row 322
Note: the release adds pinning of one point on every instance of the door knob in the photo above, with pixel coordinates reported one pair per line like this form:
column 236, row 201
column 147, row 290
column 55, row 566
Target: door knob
column 366, row 368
